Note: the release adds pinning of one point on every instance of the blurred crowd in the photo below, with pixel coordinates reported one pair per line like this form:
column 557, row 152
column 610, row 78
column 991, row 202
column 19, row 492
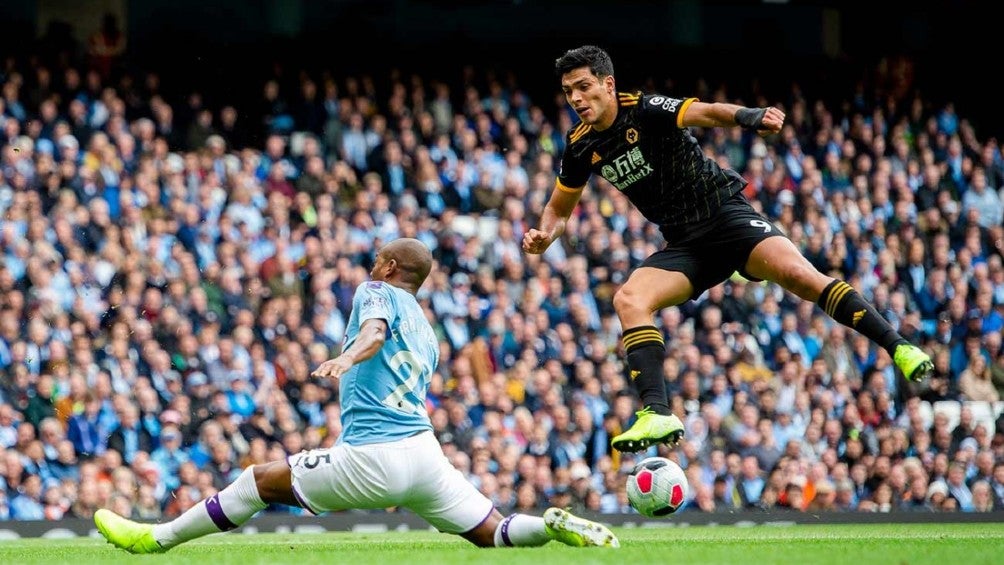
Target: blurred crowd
column 172, row 271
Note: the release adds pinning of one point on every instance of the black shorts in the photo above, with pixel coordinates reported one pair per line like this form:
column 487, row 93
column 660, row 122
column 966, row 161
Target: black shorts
column 710, row 251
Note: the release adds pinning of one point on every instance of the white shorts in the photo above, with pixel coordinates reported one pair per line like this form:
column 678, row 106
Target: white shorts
column 411, row 473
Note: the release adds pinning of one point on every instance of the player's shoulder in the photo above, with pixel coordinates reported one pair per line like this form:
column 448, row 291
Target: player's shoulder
column 374, row 288
column 369, row 287
column 626, row 101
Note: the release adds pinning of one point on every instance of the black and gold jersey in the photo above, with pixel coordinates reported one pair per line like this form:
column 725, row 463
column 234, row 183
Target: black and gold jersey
column 657, row 164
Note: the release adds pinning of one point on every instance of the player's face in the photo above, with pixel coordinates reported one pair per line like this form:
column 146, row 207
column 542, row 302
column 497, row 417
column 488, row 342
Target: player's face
column 592, row 98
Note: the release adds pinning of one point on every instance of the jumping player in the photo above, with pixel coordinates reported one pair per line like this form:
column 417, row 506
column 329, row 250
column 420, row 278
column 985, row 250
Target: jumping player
column 641, row 145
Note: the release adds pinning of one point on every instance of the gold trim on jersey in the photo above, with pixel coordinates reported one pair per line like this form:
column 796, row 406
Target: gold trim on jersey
column 683, row 110
column 579, row 131
column 563, row 188
column 596, row 158
column 628, row 98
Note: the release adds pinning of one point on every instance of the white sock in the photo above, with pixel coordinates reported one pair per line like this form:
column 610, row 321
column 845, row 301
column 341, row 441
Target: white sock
column 224, row 511
column 521, row 530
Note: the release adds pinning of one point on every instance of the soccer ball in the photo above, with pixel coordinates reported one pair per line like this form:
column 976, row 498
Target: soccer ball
column 657, row 487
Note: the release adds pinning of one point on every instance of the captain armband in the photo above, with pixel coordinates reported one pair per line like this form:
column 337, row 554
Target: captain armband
column 750, row 118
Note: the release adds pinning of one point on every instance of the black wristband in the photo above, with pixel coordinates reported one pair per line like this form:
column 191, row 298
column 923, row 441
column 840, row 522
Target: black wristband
column 750, row 118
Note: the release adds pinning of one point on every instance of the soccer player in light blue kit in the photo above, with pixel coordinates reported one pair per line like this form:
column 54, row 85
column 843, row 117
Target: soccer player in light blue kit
column 386, row 455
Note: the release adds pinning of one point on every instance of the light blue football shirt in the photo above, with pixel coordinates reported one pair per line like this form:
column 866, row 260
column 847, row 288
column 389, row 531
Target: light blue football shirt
column 383, row 398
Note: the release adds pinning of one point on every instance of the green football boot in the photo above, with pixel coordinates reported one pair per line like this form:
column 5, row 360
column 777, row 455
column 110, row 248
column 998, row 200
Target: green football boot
column 649, row 429
column 915, row 364
column 565, row 527
column 126, row 534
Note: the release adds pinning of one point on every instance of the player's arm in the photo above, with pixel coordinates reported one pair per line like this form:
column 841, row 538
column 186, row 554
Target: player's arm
column 764, row 121
column 552, row 222
column 372, row 335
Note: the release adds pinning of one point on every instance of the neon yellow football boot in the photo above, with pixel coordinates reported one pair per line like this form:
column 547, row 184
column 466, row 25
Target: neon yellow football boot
column 126, row 534
column 649, row 429
column 565, row 527
column 915, row 364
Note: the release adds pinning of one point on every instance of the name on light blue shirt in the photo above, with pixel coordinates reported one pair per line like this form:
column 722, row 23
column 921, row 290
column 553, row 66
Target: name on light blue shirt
column 383, row 398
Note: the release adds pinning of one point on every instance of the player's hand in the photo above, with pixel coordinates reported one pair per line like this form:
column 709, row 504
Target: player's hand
column 536, row 241
column 333, row 368
column 772, row 122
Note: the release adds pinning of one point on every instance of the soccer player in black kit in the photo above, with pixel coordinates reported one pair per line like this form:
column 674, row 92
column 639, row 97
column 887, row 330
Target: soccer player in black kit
column 641, row 145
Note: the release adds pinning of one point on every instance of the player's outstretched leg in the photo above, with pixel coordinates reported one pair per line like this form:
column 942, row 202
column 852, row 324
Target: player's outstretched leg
column 569, row 529
column 777, row 259
column 844, row 304
column 224, row 511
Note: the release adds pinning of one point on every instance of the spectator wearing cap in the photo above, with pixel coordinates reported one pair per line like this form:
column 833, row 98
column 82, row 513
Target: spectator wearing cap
column 581, row 483
column 200, row 393
column 968, row 347
column 937, row 492
column 240, row 399
column 69, row 148
column 169, row 456
column 942, row 331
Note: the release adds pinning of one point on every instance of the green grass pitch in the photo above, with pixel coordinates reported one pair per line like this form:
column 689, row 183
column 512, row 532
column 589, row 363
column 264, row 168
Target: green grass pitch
column 893, row 544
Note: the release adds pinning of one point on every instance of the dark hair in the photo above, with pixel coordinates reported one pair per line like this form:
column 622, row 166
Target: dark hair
column 596, row 59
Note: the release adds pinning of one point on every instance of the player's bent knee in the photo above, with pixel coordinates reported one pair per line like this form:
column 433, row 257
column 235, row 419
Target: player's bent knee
column 627, row 300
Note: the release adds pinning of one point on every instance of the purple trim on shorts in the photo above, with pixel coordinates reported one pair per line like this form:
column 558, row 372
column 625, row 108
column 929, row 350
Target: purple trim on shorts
column 483, row 520
column 303, row 503
column 505, row 530
column 296, row 493
column 215, row 511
